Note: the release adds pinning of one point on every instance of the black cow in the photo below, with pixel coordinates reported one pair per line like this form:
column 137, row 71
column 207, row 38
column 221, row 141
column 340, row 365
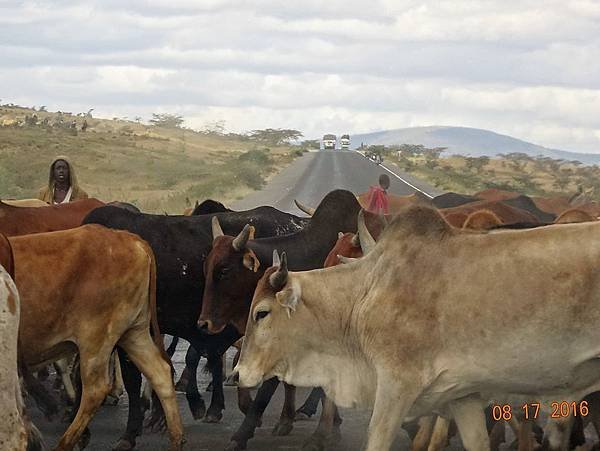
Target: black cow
column 180, row 244
column 230, row 286
column 449, row 200
column 526, row 203
column 209, row 206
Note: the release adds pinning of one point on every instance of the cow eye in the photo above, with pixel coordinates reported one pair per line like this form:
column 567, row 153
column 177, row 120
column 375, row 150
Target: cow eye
column 261, row 314
column 222, row 272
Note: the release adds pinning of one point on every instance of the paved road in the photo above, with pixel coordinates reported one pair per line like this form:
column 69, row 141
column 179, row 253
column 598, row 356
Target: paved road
column 308, row 179
column 312, row 176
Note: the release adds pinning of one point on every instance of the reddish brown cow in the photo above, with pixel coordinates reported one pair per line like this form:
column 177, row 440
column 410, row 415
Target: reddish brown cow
column 574, row 215
column 505, row 213
column 16, row 221
column 106, row 281
column 554, row 205
column 481, row 220
column 6, row 256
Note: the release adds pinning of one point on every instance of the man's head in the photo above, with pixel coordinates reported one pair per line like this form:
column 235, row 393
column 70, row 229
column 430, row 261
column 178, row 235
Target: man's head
column 384, row 181
column 60, row 172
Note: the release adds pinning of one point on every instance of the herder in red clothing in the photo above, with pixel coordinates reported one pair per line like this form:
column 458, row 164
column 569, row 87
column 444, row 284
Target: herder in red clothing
column 378, row 200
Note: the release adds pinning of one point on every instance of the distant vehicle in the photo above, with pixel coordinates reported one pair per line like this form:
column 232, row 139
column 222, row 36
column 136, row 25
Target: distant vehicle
column 329, row 142
column 345, row 142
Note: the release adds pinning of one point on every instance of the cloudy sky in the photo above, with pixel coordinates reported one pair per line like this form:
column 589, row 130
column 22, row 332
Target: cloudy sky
column 527, row 68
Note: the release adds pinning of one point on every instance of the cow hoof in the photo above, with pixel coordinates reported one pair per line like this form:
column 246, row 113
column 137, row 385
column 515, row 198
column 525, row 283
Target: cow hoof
column 283, row 428
column 123, row 445
column 197, row 408
column 213, row 417
column 111, row 400
column 301, row 416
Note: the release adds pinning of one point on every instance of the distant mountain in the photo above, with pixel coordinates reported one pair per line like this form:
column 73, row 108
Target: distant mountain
column 467, row 141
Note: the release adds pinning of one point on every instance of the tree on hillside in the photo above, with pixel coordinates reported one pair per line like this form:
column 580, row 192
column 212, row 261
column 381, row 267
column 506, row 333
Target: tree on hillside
column 275, row 136
column 166, row 120
column 214, row 128
column 311, row 144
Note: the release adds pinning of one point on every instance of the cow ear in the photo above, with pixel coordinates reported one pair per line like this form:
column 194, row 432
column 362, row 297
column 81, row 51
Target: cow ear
column 289, row 298
column 340, row 235
column 251, row 261
column 252, row 232
column 276, row 261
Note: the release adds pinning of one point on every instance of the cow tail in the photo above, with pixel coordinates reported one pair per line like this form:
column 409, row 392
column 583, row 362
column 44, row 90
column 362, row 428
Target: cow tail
column 10, row 269
column 156, row 336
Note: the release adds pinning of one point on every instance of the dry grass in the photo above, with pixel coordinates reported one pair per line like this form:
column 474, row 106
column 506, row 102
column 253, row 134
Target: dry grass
column 532, row 176
column 154, row 168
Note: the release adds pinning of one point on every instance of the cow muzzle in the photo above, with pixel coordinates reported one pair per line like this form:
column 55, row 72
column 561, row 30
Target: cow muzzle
column 208, row 327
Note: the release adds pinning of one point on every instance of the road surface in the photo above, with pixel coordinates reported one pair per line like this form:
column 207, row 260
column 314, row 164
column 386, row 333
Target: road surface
column 308, row 179
column 315, row 174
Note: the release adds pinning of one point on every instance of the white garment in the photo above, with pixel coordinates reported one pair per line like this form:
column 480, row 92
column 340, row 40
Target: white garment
column 67, row 198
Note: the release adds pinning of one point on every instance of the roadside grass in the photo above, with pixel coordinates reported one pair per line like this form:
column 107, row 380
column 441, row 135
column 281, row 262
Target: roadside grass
column 527, row 175
column 157, row 169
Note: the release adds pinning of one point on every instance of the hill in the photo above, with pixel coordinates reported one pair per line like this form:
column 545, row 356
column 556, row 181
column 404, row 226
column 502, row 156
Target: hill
column 155, row 168
column 467, row 141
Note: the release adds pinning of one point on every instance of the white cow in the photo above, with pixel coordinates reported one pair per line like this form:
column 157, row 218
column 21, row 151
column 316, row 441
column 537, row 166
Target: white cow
column 15, row 429
column 436, row 319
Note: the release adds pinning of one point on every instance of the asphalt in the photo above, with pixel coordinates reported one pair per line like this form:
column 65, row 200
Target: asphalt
column 308, row 179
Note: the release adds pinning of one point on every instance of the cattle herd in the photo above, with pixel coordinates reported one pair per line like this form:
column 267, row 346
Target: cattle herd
column 453, row 315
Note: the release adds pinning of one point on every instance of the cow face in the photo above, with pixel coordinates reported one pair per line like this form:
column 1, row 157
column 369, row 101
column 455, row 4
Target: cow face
column 269, row 329
column 347, row 245
column 231, row 274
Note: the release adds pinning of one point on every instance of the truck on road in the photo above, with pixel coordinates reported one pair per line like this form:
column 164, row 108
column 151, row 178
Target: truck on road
column 329, row 142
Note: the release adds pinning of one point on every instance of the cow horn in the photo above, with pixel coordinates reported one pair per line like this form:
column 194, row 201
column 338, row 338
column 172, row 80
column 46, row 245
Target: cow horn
column 367, row 243
column 239, row 242
column 276, row 261
column 344, row 260
column 279, row 278
column 355, row 240
column 217, row 231
column 308, row 210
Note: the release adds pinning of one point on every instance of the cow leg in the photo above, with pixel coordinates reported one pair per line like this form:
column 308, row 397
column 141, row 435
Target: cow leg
column 231, row 380
column 421, row 440
column 192, row 359
column 524, row 437
column 557, row 434
column 244, row 400
column 286, row 421
column 388, row 412
column 497, row 435
column 146, row 356
column 172, row 347
column 132, row 379
column 325, row 436
column 309, row 408
column 217, row 401
column 239, row 440
column 193, row 396
column 593, row 400
column 470, row 420
column 95, row 386
column 439, row 437
column 63, row 369
column 117, row 380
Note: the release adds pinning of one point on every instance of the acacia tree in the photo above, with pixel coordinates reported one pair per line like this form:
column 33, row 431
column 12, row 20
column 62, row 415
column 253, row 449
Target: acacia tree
column 166, row 120
column 275, row 136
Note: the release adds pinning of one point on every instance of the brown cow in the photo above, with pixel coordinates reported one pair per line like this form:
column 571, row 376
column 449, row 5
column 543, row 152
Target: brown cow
column 396, row 203
column 16, row 221
column 106, row 281
column 554, row 205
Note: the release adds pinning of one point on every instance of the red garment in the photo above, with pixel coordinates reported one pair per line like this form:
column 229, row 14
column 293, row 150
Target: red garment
column 378, row 200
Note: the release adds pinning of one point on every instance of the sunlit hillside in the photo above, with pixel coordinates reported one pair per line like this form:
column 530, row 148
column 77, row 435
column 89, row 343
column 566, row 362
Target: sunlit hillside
column 156, row 168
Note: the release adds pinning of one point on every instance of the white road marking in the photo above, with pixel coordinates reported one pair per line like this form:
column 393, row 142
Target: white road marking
column 397, row 176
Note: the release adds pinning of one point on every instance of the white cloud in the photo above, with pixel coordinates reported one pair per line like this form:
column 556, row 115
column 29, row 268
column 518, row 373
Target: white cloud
column 523, row 67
